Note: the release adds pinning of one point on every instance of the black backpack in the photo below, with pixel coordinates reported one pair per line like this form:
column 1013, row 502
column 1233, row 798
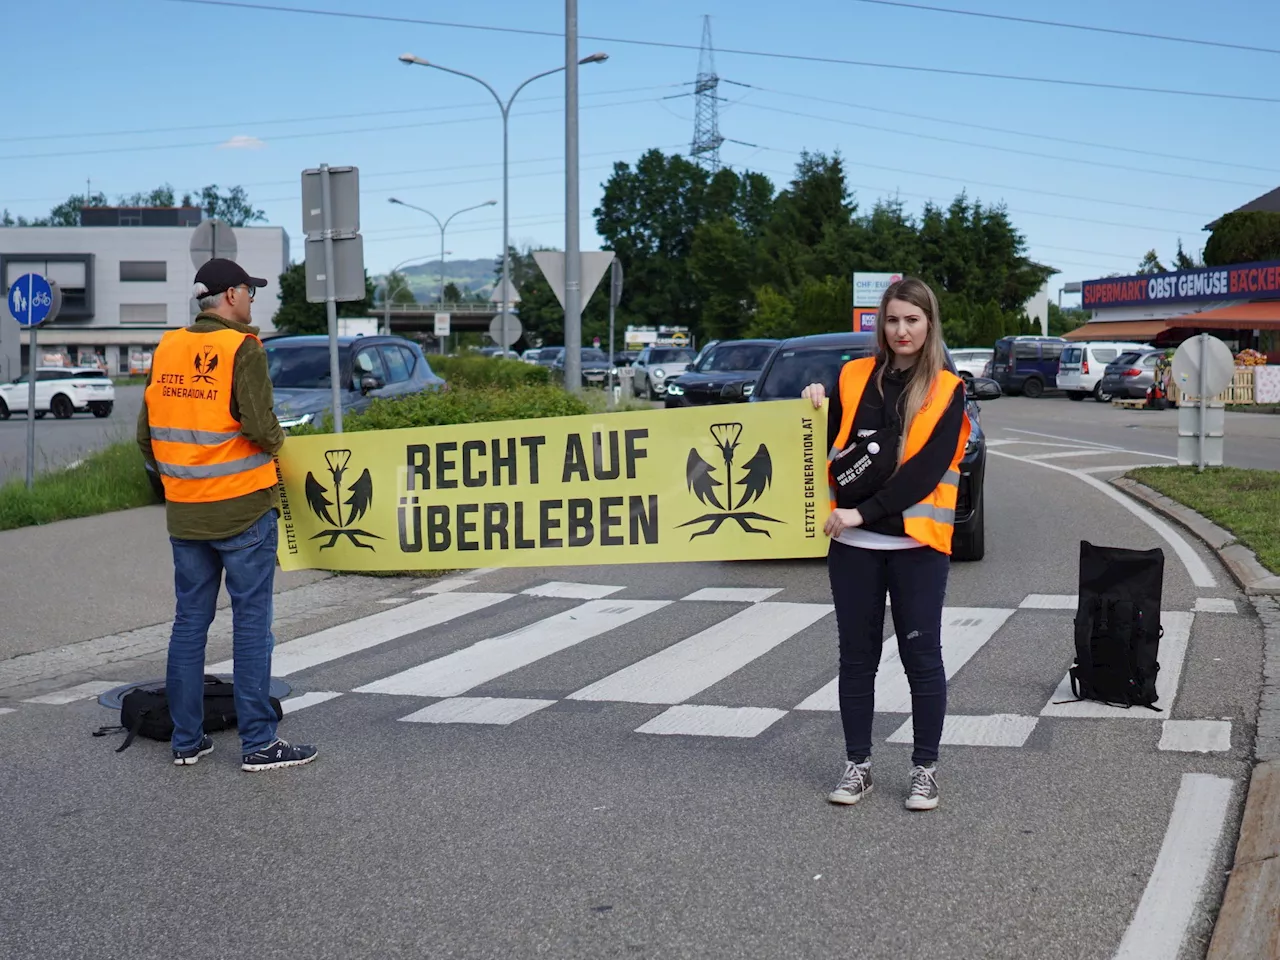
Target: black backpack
column 144, row 711
column 1118, row 626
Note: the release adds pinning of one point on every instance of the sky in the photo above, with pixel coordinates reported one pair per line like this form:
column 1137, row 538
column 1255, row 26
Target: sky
column 128, row 94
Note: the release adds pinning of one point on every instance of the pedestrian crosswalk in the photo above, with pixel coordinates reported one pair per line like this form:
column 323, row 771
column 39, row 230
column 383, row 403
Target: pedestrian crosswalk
column 750, row 632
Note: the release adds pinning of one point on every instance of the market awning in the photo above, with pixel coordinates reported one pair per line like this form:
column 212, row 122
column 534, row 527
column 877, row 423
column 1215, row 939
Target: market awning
column 1256, row 315
column 1137, row 331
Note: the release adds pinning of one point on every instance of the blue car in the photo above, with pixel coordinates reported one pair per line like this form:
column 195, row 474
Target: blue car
column 369, row 368
column 800, row 361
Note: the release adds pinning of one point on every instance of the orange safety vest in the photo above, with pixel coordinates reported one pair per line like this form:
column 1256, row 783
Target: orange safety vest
column 931, row 521
column 200, row 452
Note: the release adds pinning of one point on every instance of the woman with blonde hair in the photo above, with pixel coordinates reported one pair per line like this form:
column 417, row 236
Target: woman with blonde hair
column 897, row 431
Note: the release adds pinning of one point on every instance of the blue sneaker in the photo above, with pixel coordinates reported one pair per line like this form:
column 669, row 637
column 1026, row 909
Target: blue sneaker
column 185, row 758
column 278, row 754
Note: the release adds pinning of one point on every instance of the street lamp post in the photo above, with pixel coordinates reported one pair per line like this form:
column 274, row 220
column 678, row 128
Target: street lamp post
column 505, row 107
column 443, row 227
column 386, row 291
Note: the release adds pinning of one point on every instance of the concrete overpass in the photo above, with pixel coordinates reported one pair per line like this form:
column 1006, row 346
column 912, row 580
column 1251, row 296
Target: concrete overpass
column 418, row 318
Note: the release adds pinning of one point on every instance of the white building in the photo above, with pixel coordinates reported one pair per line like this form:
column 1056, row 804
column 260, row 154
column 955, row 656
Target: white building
column 122, row 288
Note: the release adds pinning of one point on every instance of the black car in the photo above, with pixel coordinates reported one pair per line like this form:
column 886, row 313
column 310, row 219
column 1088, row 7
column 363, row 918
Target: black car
column 723, row 373
column 800, row 361
column 596, row 366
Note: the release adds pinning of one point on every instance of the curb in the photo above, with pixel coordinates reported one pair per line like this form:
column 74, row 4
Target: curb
column 1242, row 563
column 1248, row 923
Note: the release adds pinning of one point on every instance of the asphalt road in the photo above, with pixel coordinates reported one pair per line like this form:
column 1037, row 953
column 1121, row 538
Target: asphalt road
column 568, row 826
column 60, row 442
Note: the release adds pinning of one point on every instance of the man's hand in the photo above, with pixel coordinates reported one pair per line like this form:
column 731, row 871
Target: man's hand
column 815, row 392
column 840, row 521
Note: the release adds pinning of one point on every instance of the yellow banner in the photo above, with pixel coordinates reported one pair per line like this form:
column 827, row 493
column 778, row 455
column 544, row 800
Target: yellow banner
column 739, row 482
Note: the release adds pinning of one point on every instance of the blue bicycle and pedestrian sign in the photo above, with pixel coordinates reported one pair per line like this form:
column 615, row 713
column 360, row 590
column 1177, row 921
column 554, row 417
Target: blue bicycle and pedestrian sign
column 31, row 300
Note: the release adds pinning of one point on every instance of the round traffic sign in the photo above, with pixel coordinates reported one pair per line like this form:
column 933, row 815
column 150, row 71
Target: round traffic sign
column 212, row 239
column 1219, row 366
column 31, row 300
column 514, row 329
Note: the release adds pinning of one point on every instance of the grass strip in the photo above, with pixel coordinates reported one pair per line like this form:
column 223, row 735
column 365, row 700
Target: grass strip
column 1246, row 502
column 109, row 480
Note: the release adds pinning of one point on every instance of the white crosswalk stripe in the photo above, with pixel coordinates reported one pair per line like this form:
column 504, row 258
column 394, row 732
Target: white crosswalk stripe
column 81, row 691
column 373, row 631
column 458, row 672
column 685, row 669
column 964, row 631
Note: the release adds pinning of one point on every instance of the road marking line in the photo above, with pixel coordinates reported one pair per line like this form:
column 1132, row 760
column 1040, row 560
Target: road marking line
column 1214, row 605
column 4, row 710
column 1196, row 736
column 392, row 601
column 446, row 586
column 734, row 594
column 1120, row 467
column 493, row 711
column 964, row 631
column 1173, row 653
column 1159, row 925
column 1091, row 443
column 705, row 721
column 304, row 700
column 999, row 730
column 371, row 631
column 81, row 691
column 572, row 591
column 1049, row 601
column 1197, row 569
column 460, row 671
column 1078, row 452
column 676, row 673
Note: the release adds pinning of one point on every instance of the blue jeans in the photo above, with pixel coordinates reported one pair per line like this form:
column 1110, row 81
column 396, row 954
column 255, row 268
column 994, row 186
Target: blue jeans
column 916, row 582
column 249, row 560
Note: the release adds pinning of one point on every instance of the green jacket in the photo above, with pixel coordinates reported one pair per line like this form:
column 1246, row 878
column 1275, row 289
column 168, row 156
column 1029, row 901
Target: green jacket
column 251, row 404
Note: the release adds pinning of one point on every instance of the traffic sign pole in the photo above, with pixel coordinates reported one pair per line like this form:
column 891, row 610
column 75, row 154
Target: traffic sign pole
column 32, row 301
column 31, row 400
column 331, row 298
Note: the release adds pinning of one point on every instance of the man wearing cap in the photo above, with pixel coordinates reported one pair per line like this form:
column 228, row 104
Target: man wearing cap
column 208, row 429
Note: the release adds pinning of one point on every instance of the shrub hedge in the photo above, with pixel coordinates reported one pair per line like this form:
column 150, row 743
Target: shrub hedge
column 459, row 404
column 474, row 370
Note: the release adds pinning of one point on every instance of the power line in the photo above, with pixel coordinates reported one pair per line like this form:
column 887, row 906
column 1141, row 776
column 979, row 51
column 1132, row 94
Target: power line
column 1089, row 28
column 1011, row 150
column 363, row 114
column 766, row 54
column 1017, row 133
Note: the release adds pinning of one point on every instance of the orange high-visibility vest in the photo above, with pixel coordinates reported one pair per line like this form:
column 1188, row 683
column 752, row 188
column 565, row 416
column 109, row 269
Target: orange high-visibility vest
column 931, row 521
column 200, row 452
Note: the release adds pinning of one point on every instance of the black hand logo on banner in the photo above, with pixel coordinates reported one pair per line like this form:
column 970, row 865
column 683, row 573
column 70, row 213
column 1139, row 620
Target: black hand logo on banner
column 360, row 498
column 206, row 362
column 702, row 483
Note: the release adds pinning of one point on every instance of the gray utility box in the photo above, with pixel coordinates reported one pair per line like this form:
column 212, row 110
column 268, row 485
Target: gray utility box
column 1215, row 421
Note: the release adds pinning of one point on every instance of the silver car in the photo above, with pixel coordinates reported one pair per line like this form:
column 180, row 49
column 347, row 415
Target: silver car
column 656, row 365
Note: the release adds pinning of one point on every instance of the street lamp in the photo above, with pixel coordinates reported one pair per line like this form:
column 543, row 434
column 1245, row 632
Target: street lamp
column 443, row 226
column 505, row 107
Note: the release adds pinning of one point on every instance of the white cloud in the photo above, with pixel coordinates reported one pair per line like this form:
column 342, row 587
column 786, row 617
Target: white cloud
column 241, row 142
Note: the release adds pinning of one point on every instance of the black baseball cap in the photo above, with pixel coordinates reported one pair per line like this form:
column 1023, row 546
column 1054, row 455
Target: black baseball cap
column 218, row 276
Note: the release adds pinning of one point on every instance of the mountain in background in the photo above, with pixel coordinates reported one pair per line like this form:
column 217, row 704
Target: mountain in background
column 470, row 276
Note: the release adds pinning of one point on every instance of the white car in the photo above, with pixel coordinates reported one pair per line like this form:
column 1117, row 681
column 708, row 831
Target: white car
column 62, row 391
column 656, row 365
column 1081, row 366
column 971, row 362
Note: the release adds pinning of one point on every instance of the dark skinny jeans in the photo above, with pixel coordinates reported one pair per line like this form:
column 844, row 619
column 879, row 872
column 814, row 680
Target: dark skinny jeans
column 916, row 582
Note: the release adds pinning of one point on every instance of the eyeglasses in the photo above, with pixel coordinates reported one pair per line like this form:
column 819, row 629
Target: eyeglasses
column 251, row 290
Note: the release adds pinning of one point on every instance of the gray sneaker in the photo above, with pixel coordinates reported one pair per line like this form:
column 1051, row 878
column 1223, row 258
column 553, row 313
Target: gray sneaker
column 854, row 785
column 924, row 789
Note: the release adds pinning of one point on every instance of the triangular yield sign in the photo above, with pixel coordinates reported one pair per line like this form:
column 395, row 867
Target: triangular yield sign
column 594, row 264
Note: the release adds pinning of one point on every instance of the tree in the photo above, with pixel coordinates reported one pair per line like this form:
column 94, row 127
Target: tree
column 297, row 315
column 1151, row 264
column 396, row 288
column 233, row 206
column 161, row 196
column 1064, row 321
column 1244, row 238
column 1181, row 261
column 451, row 293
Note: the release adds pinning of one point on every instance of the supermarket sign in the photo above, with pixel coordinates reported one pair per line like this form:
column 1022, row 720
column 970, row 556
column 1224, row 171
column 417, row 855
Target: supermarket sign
column 868, row 288
column 1246, row 281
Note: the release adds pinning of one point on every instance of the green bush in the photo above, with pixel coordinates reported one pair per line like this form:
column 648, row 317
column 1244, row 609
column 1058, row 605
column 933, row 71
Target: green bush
column 475, row 370
column 111, row 479
column 458, row 404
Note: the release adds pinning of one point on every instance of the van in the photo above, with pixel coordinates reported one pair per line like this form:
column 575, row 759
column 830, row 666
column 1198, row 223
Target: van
column 1027, row 365
column 1082, row 365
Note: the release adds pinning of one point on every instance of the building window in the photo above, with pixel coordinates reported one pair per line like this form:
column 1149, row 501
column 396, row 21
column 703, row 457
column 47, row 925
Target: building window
column 154, row 271
column 130, row 218
column 144, row 313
